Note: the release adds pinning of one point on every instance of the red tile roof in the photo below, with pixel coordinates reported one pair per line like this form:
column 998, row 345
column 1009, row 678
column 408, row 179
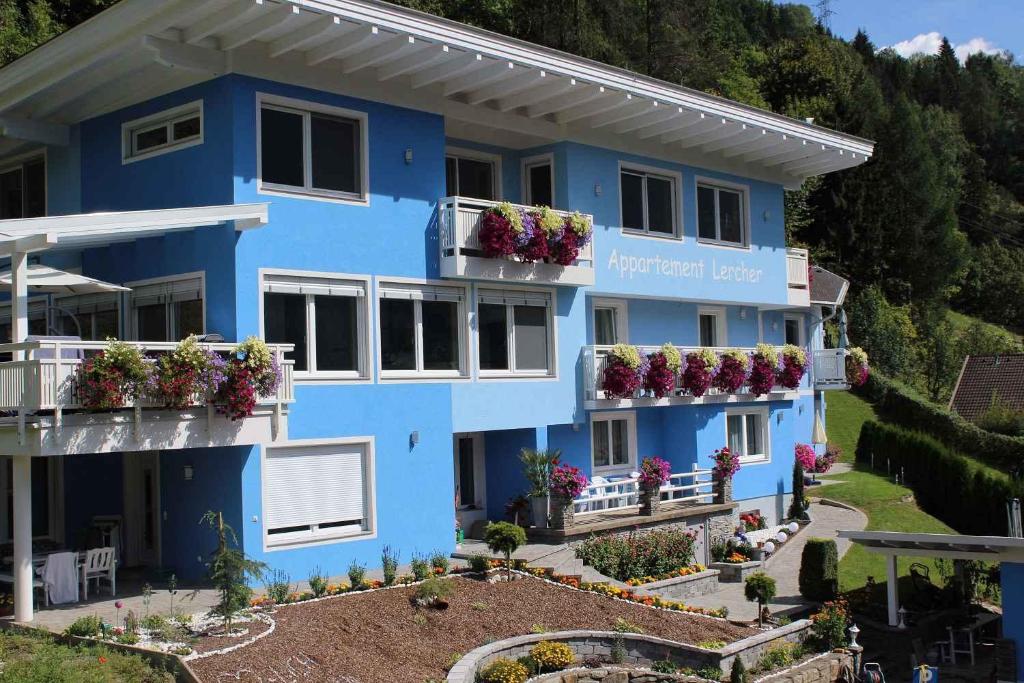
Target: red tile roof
column 984, row 377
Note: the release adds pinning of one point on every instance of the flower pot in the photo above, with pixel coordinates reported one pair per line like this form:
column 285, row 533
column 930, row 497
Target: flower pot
column 539, row 510
column 561, row 513
column 723, row 490
column 650, row 499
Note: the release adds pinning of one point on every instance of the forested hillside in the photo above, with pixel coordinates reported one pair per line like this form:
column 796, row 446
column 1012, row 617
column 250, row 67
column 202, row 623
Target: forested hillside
column 934, row 220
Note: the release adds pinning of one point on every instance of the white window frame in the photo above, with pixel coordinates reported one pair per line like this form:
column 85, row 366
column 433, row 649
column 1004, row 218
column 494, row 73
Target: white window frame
column 18, row 162
column 305, row 108
column 131, row 320
column 477, row 155
column 621, row 310
column 512, row 372
column 676, row 179
column 798, row 318
column 363, row 374
column 546, row 159
column 631, row 439
column 130, row 130
column 745, row 227
column 766, row 433
column 463, row 321
column 314, row 537
column 55, row 484
column 64, row 304
column 721, row 325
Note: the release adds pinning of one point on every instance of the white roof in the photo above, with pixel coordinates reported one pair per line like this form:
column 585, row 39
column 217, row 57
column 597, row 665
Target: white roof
column 53, row 281
column 84, row 230
column 991, row 548
column 487, row 86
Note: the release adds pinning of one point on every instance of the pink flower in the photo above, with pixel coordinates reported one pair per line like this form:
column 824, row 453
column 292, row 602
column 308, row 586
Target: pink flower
column 654, row 472
column 805, row 456
column 118, row 604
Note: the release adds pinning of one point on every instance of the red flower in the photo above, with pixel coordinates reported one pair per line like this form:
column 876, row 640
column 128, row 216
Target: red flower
column 102, row 659
column 495, row 235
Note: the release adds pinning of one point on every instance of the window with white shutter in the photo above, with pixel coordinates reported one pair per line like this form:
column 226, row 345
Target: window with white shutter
column 422, row 330
column 318, row 492
column 167, row 309
column 93, row 317
column 515, row 331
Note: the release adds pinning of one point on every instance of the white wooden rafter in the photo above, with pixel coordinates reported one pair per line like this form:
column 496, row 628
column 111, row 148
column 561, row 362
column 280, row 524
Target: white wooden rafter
column 356, row 39
column 272, row 20
column 304, row 36
column 580, row 95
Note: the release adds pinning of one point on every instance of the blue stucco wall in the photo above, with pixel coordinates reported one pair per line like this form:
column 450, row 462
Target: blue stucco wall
column 93, row 485
column 1012, row 584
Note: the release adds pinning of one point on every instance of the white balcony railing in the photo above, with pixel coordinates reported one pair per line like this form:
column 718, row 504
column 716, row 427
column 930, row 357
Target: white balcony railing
column 796, row 268
column 459, row 221
column 830, row 369
column 623, row 493
column 46, row 378
column 595, row 358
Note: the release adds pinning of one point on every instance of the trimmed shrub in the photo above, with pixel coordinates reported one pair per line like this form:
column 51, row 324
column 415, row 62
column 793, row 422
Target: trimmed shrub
column 85, row 627
column 946, row 484
column 551, row 656
column 739, row 672
column 819, row 570
column 898, row 403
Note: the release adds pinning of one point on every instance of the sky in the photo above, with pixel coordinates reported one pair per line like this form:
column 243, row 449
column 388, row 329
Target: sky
column 911, row 26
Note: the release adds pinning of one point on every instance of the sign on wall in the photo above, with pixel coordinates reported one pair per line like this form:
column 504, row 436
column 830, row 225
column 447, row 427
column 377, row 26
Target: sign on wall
column 629, row 266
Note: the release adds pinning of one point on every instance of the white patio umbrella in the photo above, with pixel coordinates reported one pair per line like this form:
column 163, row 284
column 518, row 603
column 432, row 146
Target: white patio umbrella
column 62, row 283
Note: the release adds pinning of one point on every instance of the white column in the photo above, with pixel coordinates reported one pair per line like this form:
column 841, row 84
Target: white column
column 19, row 299
column 22, row 485
column 892, row 590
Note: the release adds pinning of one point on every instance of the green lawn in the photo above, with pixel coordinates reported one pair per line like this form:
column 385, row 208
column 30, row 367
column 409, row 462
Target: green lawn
column 35, row 658
column 889, row 507
column 962, row 322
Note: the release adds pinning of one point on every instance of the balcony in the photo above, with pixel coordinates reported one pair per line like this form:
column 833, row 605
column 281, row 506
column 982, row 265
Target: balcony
column 41, row 412
column 830, row 370
column 797, row 278
column 462, row 257
column 595, row 359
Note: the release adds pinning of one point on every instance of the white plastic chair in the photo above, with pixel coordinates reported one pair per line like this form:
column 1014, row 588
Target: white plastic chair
column 99, row 564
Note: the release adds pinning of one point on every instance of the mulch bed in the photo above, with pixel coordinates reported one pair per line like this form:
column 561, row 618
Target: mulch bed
column 380, row 637
column 207, row 643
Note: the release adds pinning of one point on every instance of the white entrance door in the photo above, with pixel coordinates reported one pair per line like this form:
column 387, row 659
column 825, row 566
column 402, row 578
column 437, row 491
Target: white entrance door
column 141, row 509
column 470, row 479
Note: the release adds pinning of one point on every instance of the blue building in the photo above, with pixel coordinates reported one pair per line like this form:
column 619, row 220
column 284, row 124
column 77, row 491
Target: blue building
column 316, row 174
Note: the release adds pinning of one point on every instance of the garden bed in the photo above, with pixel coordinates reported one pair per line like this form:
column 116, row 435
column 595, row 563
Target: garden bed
column 381, row 636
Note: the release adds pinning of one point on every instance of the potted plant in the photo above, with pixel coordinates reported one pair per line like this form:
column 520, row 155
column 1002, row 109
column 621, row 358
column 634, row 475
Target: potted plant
column 567, row 482
column 252, row 373
column 663, row 368
column 763, row 365
column 537, row 467
column 624, row 371
column 794, row 365
column 700, row 368
column 653, row 473
column 732, row 371
column 726, row 465
column 499, row 228
column 188, row 375
column 857, row 368
column 114, row 377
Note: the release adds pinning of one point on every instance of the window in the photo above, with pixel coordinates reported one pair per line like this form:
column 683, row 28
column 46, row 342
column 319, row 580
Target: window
column 312, row 150
column 421, row 330
column 610, row 325
column 168, row 309
column 794, row 325
column 711, row 323
column 613, row 440
column 167, row 131
column 721, row 215
column 471, row 174
column 324, row 317
column 23, row 189
column 37, row 324
column 47, row 498
column 539, row 181
column 648, row 202
column 93, row 317
column 747, row 434
column 515, row 332
column 318, row 492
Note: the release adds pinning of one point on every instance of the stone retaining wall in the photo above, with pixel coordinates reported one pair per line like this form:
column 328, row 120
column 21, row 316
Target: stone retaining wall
column 683, row 587
column 825, row 669
column 737, row 572
column 613, row 675
column 640, row 650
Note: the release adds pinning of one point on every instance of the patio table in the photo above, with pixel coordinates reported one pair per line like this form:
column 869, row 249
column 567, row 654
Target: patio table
column 969, row 630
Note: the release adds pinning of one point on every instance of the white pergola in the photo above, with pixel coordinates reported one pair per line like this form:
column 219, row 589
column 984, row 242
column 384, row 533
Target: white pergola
column 488, row 87
column 21, row 237
column 893, row 544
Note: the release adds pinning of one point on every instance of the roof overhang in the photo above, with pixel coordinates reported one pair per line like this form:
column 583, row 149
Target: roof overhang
column 81, row 231
column 482, row 82
column 951, row 546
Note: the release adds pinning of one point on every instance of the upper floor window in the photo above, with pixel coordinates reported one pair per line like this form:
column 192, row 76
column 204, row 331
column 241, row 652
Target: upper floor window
column 747, row 434
column 312, row 149
column 539, row 181
column 164, row 132
column 721, row 215
column 610, row 326
column 23, row 188
column 648, row 202
column 168, row 309
column 794, row 329
column 515, row 329
column 469, row 173
column 711, row 324
column 422, row 330
column 325, row 318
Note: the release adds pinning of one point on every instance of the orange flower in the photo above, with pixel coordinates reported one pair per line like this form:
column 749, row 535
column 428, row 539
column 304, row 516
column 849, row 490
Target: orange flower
column 103, row 660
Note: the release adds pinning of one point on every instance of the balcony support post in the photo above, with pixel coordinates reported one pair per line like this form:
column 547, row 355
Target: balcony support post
column 22, row 485
column 19, row 300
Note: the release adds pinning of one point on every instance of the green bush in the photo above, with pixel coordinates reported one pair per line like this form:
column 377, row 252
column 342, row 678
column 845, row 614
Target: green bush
column 356, row 574
column 504, row 538
column 504, row 671
column 85, row 627
column 738, row 673
column 647, row 553
column 38, row 658
column 419, row 566
column 901, row 405
column 389, row 564
column 153, row 622
column 278, row 586
column 947, row 485
column 759, row 588
column 439, row 562
column 664, row 666
column 433, row 589
column 317, row 583
column 479, row 563
column 1002, row 419
column 819, row 570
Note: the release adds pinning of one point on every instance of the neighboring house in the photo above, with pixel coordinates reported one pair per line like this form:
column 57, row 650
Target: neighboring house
column 988, row 380
column 313, row 173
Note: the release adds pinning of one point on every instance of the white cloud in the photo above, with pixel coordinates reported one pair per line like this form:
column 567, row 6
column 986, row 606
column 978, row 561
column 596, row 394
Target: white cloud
column 928, row 44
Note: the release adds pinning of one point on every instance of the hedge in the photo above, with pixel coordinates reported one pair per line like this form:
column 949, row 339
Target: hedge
column 819, row 570
column 946, row 484
column 895, row 402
